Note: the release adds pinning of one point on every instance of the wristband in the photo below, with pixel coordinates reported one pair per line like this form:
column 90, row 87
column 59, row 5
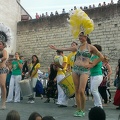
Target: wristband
column 0, row 60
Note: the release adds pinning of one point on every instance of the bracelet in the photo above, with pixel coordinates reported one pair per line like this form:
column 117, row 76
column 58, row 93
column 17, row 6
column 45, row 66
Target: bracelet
column 0, row 60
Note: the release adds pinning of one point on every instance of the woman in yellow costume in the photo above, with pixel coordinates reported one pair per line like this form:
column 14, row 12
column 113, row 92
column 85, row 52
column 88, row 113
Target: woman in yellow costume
column 81, row 25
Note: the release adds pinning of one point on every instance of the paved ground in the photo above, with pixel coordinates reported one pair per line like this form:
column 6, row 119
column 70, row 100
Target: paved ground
column 25, row 110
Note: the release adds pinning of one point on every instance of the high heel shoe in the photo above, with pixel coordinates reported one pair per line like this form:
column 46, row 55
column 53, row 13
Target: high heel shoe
column 47, row 101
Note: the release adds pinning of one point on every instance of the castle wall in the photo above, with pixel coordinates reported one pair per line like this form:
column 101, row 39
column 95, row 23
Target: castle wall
column 34, row 36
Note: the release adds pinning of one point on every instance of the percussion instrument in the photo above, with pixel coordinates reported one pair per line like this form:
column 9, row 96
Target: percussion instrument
column 25, row 87
column 67, row 85
column 58, row 59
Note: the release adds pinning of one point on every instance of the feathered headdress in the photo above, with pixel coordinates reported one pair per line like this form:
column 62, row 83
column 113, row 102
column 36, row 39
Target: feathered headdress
column 80, row 22
column 5, row 34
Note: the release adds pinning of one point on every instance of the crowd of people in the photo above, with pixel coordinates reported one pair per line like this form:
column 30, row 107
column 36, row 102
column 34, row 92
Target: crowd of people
column 84, row 62
column 96, row 113
column 43, row 15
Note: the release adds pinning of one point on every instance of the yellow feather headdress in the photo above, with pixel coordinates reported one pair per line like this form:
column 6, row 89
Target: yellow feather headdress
column 80, row 22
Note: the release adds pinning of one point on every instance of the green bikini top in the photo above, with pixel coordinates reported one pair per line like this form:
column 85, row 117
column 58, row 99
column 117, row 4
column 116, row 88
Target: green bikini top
column 84, row 53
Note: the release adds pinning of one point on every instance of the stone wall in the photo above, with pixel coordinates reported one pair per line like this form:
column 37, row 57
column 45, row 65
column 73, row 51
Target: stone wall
column 10, row 14
column 34, row 36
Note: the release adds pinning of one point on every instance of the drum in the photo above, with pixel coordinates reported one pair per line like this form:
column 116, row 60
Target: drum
column 68, row 86
column 58, row 59
column 25, row 87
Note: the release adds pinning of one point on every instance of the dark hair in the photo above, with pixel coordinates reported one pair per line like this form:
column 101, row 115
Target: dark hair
column 13, row 115
column 97, row 113
column 36, row 57
column 48, row 118
column 53, row 72
column 99, row 48
column 17, row 53
column 4, row 44
column 59, row 51
column 74, row 42
column 88, row 40
column 21, row 56
column 34, row 115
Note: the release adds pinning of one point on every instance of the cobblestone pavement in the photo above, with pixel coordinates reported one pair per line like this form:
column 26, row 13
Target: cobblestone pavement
column 51, row 108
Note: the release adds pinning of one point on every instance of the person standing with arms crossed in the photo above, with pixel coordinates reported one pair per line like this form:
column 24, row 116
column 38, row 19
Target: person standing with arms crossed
column 80, row 70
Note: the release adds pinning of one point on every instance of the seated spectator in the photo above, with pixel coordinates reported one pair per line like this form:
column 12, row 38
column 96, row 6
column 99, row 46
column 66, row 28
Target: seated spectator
column 63, row 11
column 75, row 7
column 46, row 14
column 51, row 14
column 85, row 7
column 48, row 118
column 37, row 16
column 112, row 2
column 96, row 113
column 35, row 116
column 13, row 115
column 99, row 5
column 81, row 8
column 71, row 10
column 104, row 4
column 43, row 15
column 56, row 12
column 90, row 6
column 93, row 6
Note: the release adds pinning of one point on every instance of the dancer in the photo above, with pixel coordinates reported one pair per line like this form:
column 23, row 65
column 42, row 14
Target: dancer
column 5, row 38
column 96, row 78
column 15, row 78
column 3, row 71
column 80, row 70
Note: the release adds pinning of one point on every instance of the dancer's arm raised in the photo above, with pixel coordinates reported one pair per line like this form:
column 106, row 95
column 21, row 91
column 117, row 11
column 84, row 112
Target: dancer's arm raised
column 74, row 48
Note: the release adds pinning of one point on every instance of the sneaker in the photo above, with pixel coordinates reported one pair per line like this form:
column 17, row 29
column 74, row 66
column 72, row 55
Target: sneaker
column 32, row 101
column 79, row 114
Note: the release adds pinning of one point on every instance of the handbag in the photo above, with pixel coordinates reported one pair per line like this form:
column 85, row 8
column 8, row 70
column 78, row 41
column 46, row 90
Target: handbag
column 39, row 87
column 104, row 82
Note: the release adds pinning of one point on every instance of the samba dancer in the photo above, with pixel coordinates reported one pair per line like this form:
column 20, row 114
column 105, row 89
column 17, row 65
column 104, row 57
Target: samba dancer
column 4, row 39
column 81, row 26
column 80, row 70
